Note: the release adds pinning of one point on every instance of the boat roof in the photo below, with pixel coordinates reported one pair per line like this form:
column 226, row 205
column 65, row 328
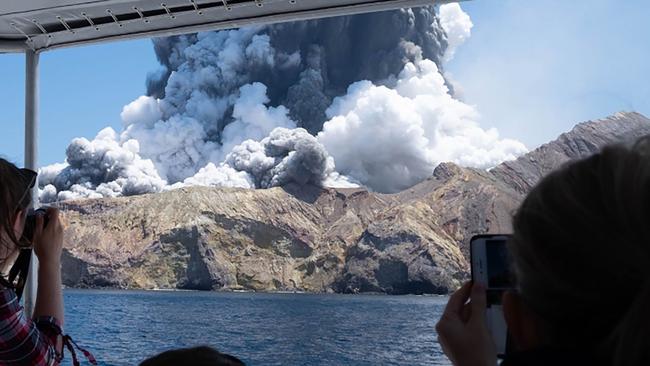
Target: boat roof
column 40, row 25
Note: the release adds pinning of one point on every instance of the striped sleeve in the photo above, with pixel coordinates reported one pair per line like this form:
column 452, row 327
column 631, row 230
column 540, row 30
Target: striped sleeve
column 24, row 341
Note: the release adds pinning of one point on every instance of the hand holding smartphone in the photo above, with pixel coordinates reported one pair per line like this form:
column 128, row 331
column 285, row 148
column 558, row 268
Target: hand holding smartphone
column 490, row 266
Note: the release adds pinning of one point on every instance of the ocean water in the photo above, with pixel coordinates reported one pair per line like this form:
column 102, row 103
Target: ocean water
column 125, row 327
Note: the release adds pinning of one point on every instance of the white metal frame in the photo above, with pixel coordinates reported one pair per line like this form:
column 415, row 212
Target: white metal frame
column 48, row 24
column 31, row 159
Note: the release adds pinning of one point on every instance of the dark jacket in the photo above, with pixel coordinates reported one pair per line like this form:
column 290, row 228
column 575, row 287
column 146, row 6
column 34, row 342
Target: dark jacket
column 550, row 357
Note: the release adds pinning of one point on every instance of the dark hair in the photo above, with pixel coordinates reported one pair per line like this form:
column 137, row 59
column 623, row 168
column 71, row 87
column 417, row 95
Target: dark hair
column 581, row 252
column 197, row 356
column 15, row 195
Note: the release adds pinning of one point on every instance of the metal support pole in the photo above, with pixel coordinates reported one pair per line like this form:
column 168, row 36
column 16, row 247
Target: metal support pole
column 31, row 161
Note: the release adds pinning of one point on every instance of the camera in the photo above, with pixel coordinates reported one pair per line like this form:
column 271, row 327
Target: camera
column 30, row 223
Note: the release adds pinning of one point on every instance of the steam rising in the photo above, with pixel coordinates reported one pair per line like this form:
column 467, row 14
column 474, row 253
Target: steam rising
column 392, row 137
column 457, row 26
column 339, row 101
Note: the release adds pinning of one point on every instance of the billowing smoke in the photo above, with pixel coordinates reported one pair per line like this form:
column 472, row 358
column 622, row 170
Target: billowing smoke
column 391, row 137
column 338, row 101
column 285, row 156
column 100, row 168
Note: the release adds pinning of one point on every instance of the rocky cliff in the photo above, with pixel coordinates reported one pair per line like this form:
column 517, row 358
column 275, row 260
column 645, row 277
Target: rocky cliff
column 583, row 140
column 309, row 238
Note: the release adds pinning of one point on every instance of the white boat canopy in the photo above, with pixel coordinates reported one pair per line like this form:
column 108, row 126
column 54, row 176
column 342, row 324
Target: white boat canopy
column 38, row 25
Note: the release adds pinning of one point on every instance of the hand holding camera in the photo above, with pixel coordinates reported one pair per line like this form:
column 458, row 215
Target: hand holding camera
column 462, row 327
column 45, row 230
column 473, row 319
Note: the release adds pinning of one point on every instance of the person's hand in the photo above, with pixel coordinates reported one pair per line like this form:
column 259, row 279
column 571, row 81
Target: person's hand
column 462, row 330
column 48, row 240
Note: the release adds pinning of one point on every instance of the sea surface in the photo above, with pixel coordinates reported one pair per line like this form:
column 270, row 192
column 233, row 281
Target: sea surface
column 125, row 327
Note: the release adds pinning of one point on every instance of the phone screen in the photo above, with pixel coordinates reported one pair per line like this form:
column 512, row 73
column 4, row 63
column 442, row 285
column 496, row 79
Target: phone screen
column 491, row 266
column 498, row 265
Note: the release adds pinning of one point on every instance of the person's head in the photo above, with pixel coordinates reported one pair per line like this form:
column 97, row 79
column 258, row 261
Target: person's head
column 15, row 199
column 581, row 255
column 197, row 356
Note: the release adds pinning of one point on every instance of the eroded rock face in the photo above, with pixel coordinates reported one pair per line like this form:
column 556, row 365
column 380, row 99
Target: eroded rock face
column 421, row 244
column 314, row 239
column 399, row 263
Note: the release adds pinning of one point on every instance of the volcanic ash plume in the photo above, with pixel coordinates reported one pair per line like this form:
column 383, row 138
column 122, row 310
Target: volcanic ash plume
column 337, row 101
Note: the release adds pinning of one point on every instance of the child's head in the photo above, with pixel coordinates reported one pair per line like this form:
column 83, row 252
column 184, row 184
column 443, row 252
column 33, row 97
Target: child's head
column 198, row 356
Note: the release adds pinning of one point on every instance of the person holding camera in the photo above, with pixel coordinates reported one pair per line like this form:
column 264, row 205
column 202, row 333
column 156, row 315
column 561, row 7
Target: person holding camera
column 39, row 340
column 580, row 254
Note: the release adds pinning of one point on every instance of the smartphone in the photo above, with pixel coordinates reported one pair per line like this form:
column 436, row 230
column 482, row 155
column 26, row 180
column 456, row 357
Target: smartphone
column 491, row 266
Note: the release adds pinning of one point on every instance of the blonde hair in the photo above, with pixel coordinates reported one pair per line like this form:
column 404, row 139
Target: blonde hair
column 581, row 253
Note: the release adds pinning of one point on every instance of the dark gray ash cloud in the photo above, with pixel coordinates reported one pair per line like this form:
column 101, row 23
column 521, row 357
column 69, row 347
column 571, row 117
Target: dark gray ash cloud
column 333, row 53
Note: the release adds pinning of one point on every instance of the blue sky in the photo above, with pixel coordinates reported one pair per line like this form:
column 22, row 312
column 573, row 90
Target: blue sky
column 533, row 68
column 82, row 91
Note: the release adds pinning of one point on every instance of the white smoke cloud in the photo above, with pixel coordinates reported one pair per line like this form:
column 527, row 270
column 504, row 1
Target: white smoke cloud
column 457, row 25
column 77, row 191
column 221, row 176
column 144, row 110
column 47, row 194
column 47, row 174
column 390, row 138
column 252, row 119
